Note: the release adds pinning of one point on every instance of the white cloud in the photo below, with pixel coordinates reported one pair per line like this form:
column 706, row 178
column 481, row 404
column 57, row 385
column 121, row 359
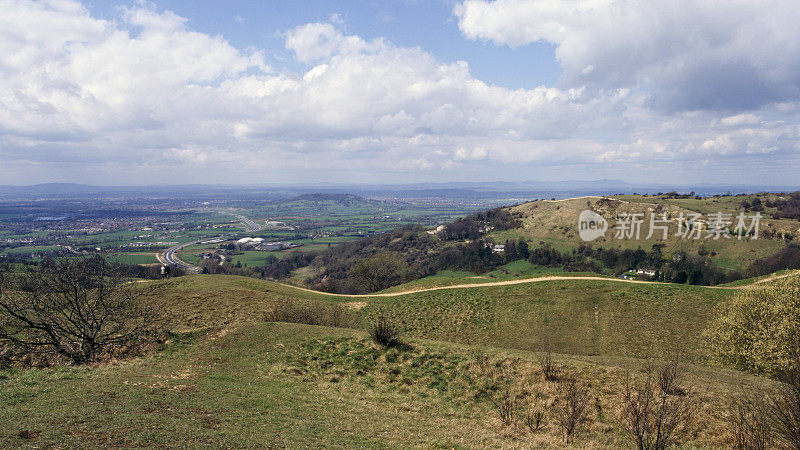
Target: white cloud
column 712, row 54
column 740, row 119
column 144, row 96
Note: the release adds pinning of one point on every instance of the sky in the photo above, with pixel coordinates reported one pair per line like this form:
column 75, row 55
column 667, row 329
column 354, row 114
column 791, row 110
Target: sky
column 287, row 92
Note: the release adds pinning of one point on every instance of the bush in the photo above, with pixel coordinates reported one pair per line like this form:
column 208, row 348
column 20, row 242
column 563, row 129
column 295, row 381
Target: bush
column 384, row 333
column 575, row 409
column 758, row 330
column 534, row 418
column 547, row 366
column 309, row 313
column 656, row 409
column 784, row 408
column 505, row 405
column 749, row 422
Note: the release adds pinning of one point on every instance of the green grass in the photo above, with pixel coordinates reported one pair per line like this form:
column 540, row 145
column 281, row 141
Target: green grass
column 136, row 258
column 582, row 317
column 253, row 258
column 589, row 317
column 285, row 385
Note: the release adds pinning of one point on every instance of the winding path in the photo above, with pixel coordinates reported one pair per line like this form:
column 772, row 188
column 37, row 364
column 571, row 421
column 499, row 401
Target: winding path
column 527, row 281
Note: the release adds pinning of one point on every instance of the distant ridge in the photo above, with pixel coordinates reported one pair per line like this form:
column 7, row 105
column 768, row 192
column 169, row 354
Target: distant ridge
column 462, row 189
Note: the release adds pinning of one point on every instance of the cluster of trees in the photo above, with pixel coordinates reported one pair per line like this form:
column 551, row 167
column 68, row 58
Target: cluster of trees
column 692, row 269
column 278, row 268
column 756, row 205
column 405, row 254
column 786, row 258
column 341, row 267
column 475, row 225
column 695, row 269
column 675, row 194
column 787, row 208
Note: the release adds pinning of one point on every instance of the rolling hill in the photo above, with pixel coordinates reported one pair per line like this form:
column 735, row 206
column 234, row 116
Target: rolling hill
column 556, row 223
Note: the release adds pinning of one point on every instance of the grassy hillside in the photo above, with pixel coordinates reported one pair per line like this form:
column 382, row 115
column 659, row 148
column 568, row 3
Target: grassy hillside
column 555, row 223
column 284, row 385
column 587, row 317
column 201, row 301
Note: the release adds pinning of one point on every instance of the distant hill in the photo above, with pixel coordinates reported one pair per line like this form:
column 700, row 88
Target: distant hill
column 338, row 198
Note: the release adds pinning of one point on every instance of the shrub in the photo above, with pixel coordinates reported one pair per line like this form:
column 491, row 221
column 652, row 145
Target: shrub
column 655, row 410
column 575, row 408
column 548, row 367
column 749, row 422
column 784, row 409
column 309, row 313
column 505, row 404
column 384, row 333
column 758, row 330
column 534, row 418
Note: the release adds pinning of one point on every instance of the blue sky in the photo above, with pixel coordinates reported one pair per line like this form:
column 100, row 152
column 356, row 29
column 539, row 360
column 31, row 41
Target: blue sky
column 169, row 91
column 412, row 23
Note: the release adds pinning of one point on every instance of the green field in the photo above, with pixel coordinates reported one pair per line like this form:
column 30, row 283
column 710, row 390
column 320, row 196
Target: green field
column 136, row 258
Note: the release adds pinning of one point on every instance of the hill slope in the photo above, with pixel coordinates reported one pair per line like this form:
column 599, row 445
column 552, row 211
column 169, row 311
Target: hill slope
column 556, row 223
column 285, row 385
column 589, row 317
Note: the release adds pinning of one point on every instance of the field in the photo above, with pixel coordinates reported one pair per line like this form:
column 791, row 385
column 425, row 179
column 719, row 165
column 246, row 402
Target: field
column 34, row 229
column 137, row 258
column 227, row 376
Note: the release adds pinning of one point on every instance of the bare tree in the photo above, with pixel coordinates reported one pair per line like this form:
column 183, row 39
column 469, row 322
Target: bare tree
column 656, row 409
column 74, row 308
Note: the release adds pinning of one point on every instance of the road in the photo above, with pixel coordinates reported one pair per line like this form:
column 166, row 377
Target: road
column 170, row 255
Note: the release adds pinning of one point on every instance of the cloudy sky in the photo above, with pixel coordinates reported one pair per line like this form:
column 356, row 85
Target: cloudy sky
column 282, row 91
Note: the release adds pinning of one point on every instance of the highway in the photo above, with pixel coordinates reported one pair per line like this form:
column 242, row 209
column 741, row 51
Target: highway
column 170, row 255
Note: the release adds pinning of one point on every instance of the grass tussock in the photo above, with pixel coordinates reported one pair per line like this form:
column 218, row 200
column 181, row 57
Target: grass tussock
column 513, row 395
column 383, row 332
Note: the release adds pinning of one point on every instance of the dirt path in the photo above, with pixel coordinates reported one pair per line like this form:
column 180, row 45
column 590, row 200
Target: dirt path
column 526, row 281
